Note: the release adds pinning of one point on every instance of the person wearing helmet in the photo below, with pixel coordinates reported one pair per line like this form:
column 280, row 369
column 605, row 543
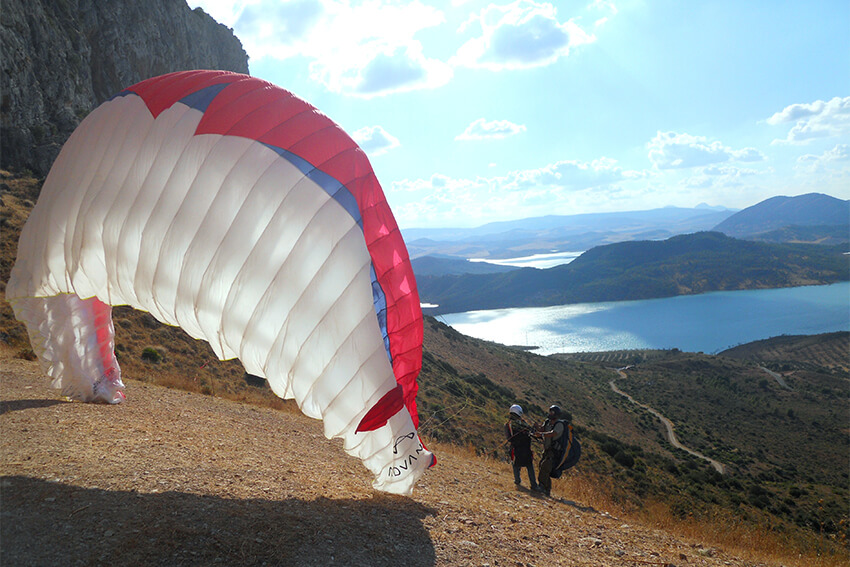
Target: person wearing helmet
column 518, row 434
column 551, row 433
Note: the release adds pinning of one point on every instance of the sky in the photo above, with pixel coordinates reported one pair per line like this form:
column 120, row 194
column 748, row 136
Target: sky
column 476, row 111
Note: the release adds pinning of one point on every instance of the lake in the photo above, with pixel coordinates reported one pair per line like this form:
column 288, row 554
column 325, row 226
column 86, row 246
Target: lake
column 708, row 322
column 542, row 261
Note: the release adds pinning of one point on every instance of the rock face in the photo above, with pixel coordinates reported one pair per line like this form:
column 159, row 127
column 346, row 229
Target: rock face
column 62, row 58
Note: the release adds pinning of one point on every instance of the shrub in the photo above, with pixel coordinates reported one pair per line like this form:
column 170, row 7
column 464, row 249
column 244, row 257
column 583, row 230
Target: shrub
column 624, row 459
column 27, row 354
column 612, row 447
column 152, row 355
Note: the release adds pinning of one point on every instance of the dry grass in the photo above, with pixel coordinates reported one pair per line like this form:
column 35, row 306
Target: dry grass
column 757, row 544
column 176, row 478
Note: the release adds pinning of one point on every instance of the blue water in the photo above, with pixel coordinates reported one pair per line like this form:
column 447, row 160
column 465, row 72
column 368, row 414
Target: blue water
column 707, row 323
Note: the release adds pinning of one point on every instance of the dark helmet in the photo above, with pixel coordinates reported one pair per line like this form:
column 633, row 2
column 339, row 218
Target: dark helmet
column 556, row 409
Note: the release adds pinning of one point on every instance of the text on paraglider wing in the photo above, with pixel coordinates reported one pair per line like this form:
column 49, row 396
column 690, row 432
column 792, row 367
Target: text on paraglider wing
column 406, row 463
column 400, row 439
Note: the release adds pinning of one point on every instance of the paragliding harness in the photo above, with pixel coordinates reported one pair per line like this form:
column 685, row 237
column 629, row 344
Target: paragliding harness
column 568, row 451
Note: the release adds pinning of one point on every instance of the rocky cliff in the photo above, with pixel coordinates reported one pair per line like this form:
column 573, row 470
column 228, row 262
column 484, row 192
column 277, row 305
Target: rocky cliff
column 61, row 58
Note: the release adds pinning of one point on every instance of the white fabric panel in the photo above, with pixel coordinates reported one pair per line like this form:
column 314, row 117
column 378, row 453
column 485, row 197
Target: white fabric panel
column 253, row 294
column 222, row 236
column 89, row 238
column 394, row 454
column 343, row 411
column 143, row 178
column 223, row 275
column 158, row 207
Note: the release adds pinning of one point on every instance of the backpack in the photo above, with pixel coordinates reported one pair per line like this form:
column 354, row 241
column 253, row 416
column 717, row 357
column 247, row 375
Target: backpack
column 569, row 451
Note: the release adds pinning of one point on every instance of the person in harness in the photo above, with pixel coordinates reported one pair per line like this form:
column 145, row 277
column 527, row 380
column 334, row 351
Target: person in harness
column 561, row 450
column 518, row 434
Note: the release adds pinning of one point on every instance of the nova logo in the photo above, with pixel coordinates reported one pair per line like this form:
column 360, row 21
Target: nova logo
column 406, row 463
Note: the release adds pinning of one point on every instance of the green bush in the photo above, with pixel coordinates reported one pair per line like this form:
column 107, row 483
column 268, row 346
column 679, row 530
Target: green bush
column 624, row 459
column 151, row 355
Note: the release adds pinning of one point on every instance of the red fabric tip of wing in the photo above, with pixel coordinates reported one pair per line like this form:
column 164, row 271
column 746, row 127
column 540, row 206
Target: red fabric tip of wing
column 380, row 414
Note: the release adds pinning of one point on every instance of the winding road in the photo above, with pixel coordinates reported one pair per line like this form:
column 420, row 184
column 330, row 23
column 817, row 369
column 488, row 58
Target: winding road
column 671, row 435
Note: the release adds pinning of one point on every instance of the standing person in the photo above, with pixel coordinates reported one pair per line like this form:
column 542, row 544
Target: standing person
column 552, row 432
column 518, row 434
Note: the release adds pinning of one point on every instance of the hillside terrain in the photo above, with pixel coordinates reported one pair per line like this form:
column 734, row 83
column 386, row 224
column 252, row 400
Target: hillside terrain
column 781, row 483
column 434, row 266
column 790, row 352
column 814, row 211
column 177, row 478
column 807, row 219
column 682, row 265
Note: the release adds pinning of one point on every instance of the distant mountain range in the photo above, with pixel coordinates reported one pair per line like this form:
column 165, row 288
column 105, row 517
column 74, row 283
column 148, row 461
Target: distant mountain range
column 684, row 264
column 813, row 218
column 572, row 233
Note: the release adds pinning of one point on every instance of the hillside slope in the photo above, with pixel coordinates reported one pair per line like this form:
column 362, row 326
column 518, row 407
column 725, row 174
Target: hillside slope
column 171, row 477
column 466, row 386
column 812, row 209
column 686, row 264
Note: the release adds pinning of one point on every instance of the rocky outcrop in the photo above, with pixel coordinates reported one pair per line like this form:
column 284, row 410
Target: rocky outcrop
column 61, row 58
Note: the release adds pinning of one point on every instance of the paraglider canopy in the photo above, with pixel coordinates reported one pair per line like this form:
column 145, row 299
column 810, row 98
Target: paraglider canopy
column 225, row 205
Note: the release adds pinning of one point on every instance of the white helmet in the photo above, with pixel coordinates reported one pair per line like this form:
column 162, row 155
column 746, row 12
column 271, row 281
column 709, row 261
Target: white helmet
column 515, row 409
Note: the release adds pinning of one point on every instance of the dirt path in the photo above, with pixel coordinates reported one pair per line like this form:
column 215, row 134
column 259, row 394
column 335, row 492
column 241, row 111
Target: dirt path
column 172, row 478
column 671, row 434
column 778, row 377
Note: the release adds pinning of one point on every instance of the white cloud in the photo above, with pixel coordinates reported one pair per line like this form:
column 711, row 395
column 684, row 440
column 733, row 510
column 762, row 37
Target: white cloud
column 818, row 119
column 573, row 175
column 375, row 141
column 728, row 171
column 605, row 5
column 519, row 35
column 567, row 187
column 840, row 154
column 360, row 48
column 570, row 175
column 223, row 11
column 727, row 176
column 271, row 26
column 497, row 129
column 670, row 150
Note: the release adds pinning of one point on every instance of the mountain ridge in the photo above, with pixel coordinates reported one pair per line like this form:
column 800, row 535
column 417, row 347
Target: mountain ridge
column 564, row 233
column 684, row 264
column 776, row 213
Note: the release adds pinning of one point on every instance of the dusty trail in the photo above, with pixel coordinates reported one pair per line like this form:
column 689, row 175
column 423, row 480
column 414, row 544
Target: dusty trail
column 671, row 434
column 778, row 377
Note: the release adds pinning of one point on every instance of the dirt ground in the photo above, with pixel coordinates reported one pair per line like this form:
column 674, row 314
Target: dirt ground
column 173, row 478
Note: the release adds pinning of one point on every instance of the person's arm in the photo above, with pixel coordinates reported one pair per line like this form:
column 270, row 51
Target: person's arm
column 555, row 432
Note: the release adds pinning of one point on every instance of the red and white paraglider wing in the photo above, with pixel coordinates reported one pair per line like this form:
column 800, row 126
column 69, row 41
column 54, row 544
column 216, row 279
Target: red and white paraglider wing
column 225, row 205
